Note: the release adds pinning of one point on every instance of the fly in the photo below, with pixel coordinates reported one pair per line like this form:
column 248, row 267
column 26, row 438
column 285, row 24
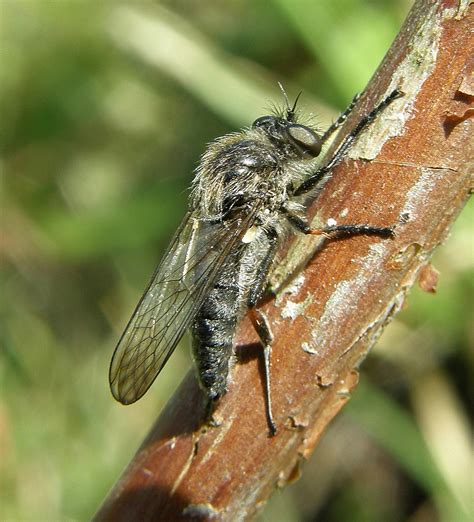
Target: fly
column 248, row 193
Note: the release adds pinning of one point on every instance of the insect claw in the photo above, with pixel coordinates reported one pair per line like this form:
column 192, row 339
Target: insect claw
column 272, row 428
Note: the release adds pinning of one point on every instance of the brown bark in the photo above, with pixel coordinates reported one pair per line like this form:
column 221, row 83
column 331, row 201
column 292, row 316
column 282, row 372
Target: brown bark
column 325, row 325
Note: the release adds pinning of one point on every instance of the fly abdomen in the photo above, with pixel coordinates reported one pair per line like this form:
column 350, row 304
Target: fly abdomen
column 213, row 332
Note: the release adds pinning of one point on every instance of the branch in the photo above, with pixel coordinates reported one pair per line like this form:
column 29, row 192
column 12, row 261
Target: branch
column 411, row 169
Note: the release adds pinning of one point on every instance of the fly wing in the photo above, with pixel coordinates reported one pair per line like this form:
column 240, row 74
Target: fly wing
column 171, row 301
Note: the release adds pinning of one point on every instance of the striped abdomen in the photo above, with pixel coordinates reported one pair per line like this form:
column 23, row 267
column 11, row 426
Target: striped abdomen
column 213, row 331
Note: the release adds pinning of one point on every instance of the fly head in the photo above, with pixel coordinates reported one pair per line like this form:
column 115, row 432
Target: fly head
column 295, row 140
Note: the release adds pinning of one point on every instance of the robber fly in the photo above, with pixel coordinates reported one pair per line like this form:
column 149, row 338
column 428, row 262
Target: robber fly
column 248, row 192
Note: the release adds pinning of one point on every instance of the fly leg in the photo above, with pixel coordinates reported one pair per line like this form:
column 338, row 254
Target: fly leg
column 342, row 118
column 209, row 408
column 336, row 231
column 260, row 322
column 346, row 143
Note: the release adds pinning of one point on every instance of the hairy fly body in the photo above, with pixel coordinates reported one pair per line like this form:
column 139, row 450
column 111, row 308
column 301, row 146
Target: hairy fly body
column 248, row 193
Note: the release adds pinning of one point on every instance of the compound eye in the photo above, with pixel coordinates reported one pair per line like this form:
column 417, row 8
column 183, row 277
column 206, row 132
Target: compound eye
column 305, row 139
column 263, row 121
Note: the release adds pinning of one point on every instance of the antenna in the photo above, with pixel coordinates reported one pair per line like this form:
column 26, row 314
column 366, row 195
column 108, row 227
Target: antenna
column 290, row 112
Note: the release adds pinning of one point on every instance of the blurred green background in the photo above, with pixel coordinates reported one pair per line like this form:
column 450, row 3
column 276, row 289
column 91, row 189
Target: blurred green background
column 105, row 110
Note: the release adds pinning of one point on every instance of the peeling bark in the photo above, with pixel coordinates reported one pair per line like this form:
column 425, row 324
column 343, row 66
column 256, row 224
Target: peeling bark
column 414, row 169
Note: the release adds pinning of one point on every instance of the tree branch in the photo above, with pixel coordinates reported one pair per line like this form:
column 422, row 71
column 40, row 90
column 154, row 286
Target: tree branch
column 414, row 169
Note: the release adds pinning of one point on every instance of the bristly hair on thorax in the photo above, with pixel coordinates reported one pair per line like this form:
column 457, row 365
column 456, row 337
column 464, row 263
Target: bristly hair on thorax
column 229, row 164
